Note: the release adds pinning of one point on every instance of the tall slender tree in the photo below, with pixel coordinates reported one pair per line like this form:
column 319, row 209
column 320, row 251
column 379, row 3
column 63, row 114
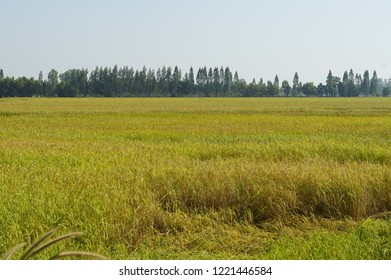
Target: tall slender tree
column 345, row 83
column 176, row 78
column 191, row 81
column 295, row 86
column 227, row 82
column 216, row 82
column 351, row 85
column 366, row 84
column 374, row 85
column 277, row 84
column 331, row 86
column 236, row 84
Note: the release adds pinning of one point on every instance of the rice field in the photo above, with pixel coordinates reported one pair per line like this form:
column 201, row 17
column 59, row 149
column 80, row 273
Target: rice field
column 199, row 178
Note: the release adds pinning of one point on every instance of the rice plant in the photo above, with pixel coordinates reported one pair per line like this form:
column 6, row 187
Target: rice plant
column 40, row 245
column 229, row 178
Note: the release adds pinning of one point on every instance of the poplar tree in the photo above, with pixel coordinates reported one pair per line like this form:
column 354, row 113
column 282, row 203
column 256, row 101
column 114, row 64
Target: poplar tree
column 351, row 86
column 295, row 86
column 374, row 85
column 333, row 84
column 330, row 84
column 277, row 84
column 366, row 83
column 227, row 81
column 216, row 81
column 176, row 79
column 236, row 84
column 191, row 80
column 345, row 83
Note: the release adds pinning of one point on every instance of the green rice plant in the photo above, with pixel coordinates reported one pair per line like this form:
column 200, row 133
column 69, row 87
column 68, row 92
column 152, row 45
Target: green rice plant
column 231, row 178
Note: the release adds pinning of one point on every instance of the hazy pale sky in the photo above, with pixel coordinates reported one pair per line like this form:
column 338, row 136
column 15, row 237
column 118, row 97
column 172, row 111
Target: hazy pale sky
column 257, row 38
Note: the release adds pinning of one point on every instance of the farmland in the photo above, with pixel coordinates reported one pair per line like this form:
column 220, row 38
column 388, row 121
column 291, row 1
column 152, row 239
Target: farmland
column 289, row 178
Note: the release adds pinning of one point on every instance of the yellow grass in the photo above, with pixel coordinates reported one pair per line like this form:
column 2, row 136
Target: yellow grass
column 199, row 178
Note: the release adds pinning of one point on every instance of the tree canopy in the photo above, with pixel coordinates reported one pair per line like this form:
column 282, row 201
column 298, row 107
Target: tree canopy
column 173, row 82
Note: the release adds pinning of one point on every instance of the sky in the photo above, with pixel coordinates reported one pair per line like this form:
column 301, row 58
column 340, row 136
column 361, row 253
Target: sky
column 259, row 39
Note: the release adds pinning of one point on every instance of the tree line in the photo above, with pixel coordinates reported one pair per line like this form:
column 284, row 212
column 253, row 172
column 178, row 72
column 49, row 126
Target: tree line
column 171, row 82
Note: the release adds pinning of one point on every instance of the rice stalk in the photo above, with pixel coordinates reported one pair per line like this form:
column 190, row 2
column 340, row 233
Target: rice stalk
column 8, row 255
column 78, row 254
column 39, row 246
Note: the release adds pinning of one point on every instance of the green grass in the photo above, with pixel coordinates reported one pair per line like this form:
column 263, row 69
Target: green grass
column 199, row 178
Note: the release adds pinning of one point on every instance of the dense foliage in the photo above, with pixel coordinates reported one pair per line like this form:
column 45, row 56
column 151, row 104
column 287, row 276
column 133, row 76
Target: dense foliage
column 168, row 82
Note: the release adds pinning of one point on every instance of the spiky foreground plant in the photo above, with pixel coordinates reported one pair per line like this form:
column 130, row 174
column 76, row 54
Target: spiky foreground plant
column 39, row 246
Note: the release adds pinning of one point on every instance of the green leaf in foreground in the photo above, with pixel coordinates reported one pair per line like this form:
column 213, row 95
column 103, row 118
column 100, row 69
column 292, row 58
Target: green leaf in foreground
column 39, row 246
